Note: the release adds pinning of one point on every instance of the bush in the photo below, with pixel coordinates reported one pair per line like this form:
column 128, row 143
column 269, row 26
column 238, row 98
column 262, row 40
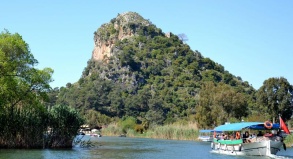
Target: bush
column 139, row 128
column 127, row 123
column 289, row 140
column 64, row 123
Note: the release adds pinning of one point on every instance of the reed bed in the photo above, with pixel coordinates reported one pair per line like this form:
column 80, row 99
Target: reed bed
column 28, row 127
column 177, row 131
column 112, row 130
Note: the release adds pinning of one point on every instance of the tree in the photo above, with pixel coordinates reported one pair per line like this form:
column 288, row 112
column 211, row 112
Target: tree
column 218, row 104
column 22, row 95
column 19, row 80
column 183, row 37
column 155, row 115
column 275, row 97
column 234, row 103
column 204, row 115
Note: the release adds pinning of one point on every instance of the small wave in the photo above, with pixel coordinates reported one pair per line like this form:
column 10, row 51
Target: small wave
column 279, row 157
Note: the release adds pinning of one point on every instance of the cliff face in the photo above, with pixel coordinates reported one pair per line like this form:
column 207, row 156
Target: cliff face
column 125, row 25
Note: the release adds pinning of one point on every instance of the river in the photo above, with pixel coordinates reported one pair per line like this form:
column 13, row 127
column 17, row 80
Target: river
column 130, row 148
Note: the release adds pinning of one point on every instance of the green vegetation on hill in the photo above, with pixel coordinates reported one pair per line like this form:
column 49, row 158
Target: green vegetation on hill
column 151, row 76
column 157, row 79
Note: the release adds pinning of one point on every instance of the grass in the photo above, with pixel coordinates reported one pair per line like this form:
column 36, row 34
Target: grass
column 176, row 131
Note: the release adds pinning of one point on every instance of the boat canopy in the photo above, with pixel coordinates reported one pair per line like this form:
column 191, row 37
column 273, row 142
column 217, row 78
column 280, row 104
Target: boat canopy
column 208, row 131
column 245, row 125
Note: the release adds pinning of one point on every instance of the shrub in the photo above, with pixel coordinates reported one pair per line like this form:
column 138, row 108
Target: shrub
column 64, row 123
column 127, row 123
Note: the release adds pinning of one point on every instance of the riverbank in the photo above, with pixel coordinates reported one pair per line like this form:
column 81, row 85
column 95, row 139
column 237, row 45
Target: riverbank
column 187, row 131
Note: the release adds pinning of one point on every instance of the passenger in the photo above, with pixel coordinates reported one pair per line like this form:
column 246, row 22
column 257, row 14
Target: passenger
column 222, row 136
column 268, row 134
column 259, row 133
column 226, row 137
column 253, row 136
column 232, row 137
column 279, row 137
column 245, row 137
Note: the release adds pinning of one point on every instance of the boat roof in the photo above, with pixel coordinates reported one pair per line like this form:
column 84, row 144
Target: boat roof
column 245, row 125
column 207, row 131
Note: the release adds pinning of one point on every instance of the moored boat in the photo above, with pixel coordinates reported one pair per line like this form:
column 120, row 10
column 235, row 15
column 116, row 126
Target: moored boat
column 234, row 142
column 206, row 135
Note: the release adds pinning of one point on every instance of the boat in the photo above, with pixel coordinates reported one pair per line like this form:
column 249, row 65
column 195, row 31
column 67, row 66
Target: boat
column 255, row 145
column 81, row 133
column 95, row 135
column 206, row 135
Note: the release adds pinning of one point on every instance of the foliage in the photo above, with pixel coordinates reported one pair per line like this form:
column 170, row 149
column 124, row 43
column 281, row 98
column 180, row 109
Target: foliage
column 127, row 123
column 289, row 140
column 20, row 82
column 96, row 119
column 275, row 98
column 64, row 123
column 176, row 131
column 220, row 103
column 23, row 117
column 79, row 141
column 112, row 130
column 25, row 129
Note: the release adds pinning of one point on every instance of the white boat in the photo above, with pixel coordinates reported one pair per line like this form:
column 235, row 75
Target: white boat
column 95, row 135
column 267, row 145
column 206, row 135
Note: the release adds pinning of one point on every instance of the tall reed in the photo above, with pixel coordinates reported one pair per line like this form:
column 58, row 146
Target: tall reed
column 22, row 127
column 177, row 131
column 112, row 130
column 26, row 127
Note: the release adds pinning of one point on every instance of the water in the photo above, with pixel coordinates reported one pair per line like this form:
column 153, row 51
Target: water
column 131, row 148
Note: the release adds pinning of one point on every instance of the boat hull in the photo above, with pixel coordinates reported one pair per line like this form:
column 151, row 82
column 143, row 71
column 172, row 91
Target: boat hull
column 205, row 138
column 261, row 148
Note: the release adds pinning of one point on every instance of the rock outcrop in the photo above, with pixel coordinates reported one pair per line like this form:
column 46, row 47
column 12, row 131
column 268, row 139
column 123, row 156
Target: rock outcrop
column 125, row 25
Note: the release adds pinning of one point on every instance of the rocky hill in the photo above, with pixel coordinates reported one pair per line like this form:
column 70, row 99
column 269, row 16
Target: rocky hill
column 138, row 70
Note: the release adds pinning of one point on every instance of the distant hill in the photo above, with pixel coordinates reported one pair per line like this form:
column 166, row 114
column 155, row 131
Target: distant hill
column 138, row 70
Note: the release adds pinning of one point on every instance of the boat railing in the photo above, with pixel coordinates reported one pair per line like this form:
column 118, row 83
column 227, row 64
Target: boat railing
column 263, row 138
column 228, row 142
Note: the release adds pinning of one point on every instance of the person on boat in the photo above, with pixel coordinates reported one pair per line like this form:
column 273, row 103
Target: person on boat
column 252, row 136
column 278, row 136
column 221, row 137
column 259, row 133
column 231, row 137
column 268, row 134
column 245, row 137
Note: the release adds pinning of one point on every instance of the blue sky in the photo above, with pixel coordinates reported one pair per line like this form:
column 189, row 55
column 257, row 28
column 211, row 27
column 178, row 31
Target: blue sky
column 252, row 39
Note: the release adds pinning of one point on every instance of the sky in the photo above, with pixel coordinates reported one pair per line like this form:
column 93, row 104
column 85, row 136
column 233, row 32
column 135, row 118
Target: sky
column 252, row 39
